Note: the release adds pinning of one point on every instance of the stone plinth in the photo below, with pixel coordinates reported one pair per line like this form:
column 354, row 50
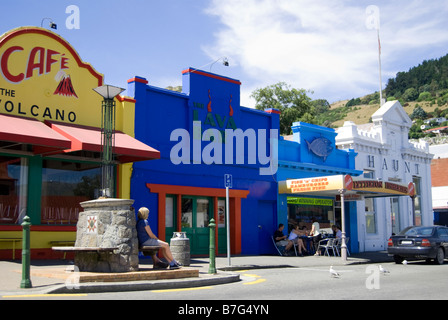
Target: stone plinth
column 107, row 223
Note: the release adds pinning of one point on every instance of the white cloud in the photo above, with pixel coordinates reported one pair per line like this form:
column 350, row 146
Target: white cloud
column 322, row 46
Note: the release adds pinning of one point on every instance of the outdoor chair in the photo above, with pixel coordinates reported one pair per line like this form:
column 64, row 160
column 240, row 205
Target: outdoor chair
column 295, row 245
column 339, row 243
column 277, row 247
column 327, row 244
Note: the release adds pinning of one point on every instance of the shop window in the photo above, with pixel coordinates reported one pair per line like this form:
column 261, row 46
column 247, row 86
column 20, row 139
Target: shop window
column 221, row 213
column 169, row 212
column 13, row 189
column 369, row 209
column 302, row 210
column 187, row 213
column 64, row 186
column 417, row 201
column 395, row 215
column 370, row 215
column 202, row 213
column 170, row 216
column 369, row 174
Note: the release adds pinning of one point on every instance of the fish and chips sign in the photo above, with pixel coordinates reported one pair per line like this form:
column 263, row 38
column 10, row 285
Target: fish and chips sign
column 316, row 184
column 43, row 77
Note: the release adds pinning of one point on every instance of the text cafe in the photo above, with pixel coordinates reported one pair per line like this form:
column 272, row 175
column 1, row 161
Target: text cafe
column 50, row 139
column 204, row 134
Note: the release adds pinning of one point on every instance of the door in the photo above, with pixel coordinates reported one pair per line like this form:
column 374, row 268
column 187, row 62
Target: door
column 196, row 213
column 266, row 227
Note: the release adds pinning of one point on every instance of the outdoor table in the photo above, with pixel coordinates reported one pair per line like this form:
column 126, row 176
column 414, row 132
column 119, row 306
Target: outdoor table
column 309, row 243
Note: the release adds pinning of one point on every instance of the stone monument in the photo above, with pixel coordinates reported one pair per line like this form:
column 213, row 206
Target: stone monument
column 105, row 224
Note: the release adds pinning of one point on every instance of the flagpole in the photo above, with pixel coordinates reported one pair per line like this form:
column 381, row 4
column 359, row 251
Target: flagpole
column 379, row 62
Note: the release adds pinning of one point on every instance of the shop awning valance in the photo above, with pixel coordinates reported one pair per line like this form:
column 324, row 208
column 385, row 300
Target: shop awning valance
column 127, row 148
column 354, row 187
column 19, row 130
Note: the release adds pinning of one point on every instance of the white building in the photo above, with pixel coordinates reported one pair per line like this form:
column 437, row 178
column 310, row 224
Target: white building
column 385, row 153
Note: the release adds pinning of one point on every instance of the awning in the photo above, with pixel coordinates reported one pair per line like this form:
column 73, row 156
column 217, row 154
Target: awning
column 354, row 188
column 127, row 148
column 18, row 130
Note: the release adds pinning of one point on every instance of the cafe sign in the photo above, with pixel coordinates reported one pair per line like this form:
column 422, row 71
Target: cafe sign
column 43, row 77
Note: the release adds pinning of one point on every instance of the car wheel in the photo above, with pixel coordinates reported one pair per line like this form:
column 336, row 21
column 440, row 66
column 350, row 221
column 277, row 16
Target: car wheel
column 398, row 259
column 440, row 257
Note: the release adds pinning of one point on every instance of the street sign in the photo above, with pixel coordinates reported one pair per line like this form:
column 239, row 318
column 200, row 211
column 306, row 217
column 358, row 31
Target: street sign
column 228, row 180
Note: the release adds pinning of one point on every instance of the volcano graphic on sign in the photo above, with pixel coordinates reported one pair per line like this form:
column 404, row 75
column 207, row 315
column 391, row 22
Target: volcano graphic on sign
column 65, row 87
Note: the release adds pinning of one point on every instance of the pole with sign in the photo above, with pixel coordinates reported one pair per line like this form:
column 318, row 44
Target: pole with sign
column 228, row 184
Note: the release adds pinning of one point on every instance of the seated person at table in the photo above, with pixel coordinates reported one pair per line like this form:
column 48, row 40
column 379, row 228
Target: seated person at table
column 336, row 231
column 303, row 231
column 294, row 237
column 280, row 238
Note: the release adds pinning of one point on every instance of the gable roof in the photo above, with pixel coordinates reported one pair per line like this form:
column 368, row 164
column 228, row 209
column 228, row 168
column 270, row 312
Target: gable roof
column 392, row 112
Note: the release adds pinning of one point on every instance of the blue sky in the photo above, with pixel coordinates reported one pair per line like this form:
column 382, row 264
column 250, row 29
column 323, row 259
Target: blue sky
column 319, row 45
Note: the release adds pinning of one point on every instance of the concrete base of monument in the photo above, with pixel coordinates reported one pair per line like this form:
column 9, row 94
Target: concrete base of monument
column 69, row 273
column 67, row 280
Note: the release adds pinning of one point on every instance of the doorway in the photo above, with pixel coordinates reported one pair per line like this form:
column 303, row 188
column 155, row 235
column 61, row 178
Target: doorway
column 195, row 216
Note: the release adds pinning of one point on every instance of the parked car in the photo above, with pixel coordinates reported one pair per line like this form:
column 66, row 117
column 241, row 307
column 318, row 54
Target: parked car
column 419, row 243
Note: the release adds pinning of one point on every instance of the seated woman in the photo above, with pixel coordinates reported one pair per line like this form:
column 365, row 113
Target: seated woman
column 294, row 237
column 147, row 238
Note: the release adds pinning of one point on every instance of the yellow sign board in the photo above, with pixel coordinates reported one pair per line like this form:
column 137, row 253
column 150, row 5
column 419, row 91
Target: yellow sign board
column 314, row 184
column 43, row 77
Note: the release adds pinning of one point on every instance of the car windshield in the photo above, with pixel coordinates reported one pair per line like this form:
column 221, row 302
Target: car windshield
column 417, row 231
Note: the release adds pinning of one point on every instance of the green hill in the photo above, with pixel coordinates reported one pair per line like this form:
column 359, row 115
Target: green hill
column 424, row 86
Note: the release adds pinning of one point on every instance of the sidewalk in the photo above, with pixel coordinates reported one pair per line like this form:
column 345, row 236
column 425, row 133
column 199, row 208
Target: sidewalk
column 56, row 276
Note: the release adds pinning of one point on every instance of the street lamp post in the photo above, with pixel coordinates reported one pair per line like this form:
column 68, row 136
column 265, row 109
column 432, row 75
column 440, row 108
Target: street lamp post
column 343, row 244
column 107, row 137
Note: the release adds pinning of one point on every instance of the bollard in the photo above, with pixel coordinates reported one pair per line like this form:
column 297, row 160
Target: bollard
column 26, row 281
column 212, row 226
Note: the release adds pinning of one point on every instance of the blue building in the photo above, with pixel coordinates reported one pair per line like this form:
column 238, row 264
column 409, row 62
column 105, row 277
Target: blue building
column 203, row 134
column 311, row 153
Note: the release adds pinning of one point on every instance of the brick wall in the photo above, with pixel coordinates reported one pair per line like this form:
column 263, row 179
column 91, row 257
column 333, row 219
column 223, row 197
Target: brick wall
column 439, row 172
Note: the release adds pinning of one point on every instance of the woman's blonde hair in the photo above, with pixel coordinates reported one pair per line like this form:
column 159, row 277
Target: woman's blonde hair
column 143, row 213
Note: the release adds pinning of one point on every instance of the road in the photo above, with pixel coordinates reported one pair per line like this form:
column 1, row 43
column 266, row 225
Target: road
column 417, row 280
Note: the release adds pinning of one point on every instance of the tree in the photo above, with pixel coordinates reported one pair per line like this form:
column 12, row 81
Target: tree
column 410, row 95
column 320, row 106
column 418, row 113
column 292, row 103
